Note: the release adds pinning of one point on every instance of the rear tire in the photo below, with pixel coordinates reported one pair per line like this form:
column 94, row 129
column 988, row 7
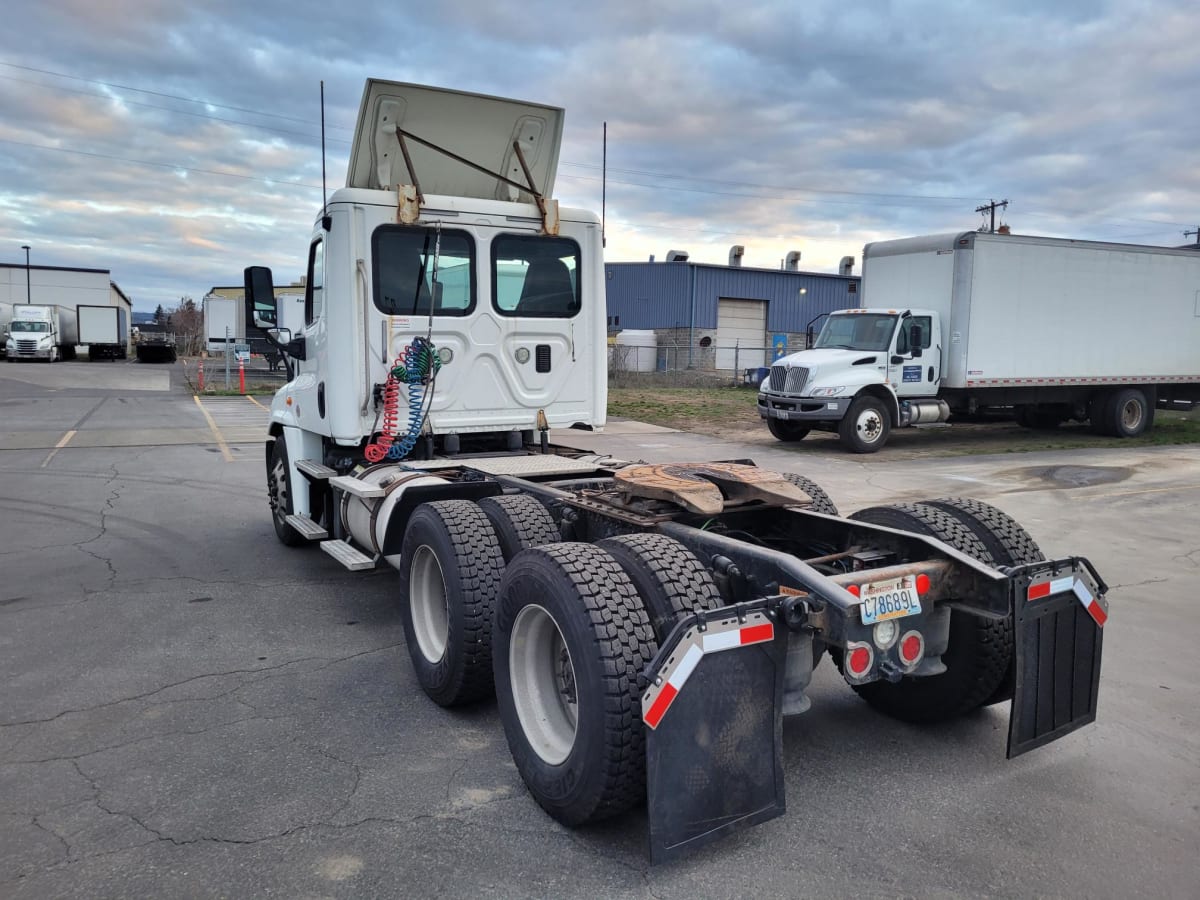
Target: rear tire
column 279, row 495
column 450, row 568
column 572, row 639
column 978, row 654
column 866, row 425
column 1007, row 542
column 520, row 522
column 668, row 577
column 821, row 502
column 1130, row 413
column 788, row 432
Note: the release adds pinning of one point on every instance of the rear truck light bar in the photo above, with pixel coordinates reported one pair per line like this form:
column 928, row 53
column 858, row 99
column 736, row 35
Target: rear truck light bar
column 713, row 700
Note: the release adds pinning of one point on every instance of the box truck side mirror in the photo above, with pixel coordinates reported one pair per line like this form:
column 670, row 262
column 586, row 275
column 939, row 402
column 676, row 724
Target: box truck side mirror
column 261, row 309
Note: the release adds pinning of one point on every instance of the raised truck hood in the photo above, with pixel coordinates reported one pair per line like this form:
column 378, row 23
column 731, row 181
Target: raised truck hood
column 474, row 126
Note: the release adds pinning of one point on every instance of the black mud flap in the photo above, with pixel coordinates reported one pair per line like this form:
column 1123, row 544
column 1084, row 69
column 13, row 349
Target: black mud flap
column 714, row 728
column 1059, row 614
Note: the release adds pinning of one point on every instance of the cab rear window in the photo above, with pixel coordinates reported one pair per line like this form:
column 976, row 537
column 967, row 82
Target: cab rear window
column 535, row 275
column 408, row 282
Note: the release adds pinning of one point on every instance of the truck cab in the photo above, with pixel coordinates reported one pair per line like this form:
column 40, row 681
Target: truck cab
column 868, row 371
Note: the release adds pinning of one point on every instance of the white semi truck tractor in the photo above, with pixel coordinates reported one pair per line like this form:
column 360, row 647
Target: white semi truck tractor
column 1056, row 329
column 643, row 628
column 41, row 331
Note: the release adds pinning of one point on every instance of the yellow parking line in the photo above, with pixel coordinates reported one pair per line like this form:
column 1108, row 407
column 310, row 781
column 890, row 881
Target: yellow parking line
column 62, row 442
column 215, row 430
column 256, row 403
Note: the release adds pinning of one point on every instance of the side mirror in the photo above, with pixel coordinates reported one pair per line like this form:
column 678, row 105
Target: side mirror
column 261, row 309
column 283, row 335
column 916, row 336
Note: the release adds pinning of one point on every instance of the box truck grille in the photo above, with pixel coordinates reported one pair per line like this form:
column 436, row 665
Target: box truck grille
column 788, row 380
column 27, row 346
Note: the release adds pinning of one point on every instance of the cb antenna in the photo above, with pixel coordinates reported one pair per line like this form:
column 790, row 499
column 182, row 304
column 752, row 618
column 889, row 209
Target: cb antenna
column 604, row 184
column 325, row 220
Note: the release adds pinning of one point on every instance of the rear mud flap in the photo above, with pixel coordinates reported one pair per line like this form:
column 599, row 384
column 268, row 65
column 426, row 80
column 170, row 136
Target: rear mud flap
column 714, row 729
column 1059, row 615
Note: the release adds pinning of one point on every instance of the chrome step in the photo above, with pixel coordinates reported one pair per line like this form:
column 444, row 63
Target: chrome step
column 314, row 471
column 356, row 486
column 308, row 529
column 348, row 556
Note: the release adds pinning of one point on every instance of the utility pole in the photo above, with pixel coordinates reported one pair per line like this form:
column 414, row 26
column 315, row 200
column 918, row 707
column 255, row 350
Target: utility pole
column 28, row 300
column 1196, row 233
column 991, row 207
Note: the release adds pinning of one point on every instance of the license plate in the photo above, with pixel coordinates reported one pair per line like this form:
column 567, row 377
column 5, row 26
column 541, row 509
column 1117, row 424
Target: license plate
column 891, row 599
column 780, row 413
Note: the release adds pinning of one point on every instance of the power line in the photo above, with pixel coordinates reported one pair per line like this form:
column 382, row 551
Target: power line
column 125, row 87
column 173, row 166
column 182, row 112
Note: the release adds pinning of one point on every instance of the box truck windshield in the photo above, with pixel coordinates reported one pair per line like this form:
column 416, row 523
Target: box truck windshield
column 866, row 331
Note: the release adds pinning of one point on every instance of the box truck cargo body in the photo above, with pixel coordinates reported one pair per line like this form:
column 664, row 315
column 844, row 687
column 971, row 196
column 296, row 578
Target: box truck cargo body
column 1057, row 329
column 104, row 330
column 222, row 321
column 41, row 331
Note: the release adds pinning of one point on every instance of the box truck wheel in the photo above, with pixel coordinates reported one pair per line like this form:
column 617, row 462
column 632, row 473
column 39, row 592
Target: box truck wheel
column 520, row 521
column 279, row 495
column 821, row 502
column 571, row 641
column 668, row 577
column 1006, row 540
column 450, row 567
column 1130, row 413
column 978, row 653
column 787, row 431
column 866, row 426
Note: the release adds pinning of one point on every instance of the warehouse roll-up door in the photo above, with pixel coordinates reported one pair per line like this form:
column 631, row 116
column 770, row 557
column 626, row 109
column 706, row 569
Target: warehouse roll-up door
column 741, row 324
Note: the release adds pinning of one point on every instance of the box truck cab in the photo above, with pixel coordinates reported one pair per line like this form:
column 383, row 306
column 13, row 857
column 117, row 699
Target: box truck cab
column 41, row 332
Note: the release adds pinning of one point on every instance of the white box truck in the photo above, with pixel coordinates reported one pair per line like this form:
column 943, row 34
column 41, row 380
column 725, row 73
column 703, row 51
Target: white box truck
column 1056, row 329
column 634, row 622
column 222, row 321
column 41, row 331
column 104, row 330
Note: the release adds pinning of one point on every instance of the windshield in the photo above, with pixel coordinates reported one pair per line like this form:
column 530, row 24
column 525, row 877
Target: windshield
column 865, row 331
column 18, row 325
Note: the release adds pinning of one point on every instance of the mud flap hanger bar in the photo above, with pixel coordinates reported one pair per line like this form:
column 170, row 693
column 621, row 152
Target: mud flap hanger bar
column 547, row 208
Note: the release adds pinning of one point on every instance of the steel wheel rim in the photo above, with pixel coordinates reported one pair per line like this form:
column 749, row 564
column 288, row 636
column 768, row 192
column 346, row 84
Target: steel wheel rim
column 1131, row 415
column 278, row 495
column 427, row 604
column 869, row 425
column 544, row 689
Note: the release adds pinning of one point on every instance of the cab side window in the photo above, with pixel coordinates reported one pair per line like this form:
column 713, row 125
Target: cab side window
column 904, row 342
column 314, row 294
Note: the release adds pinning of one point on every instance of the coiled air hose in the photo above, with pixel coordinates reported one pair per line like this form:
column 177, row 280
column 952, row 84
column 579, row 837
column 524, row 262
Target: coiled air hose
column 416, row 367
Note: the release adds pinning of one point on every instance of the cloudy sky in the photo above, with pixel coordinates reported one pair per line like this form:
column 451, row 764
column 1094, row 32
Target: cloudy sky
column 175, row 143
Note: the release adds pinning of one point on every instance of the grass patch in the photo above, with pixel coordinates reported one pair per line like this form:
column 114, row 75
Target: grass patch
column 685, row 407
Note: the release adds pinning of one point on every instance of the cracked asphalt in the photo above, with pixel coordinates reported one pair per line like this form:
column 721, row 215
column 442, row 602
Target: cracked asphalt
column 190, row 709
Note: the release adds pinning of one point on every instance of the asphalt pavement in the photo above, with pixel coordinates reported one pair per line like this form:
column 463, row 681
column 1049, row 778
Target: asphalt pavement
column 190, row 709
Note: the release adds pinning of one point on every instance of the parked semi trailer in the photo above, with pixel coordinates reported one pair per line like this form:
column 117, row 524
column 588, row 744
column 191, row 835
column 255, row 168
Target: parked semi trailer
column 104, row 330
column 643, row 628
column 41, row 331
column 1058, row 329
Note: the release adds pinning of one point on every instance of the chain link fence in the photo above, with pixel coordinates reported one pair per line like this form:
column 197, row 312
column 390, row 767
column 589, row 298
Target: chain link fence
column 695, row 365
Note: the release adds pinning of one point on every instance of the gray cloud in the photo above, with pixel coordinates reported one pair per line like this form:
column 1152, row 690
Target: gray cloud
column 775, row 125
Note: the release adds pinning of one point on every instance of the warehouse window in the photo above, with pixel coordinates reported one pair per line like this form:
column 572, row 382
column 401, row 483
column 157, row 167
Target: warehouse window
column 853, row 288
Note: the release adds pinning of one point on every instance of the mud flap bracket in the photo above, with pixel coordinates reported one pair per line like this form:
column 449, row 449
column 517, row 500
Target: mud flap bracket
column 714, row 728
column 1059, row 613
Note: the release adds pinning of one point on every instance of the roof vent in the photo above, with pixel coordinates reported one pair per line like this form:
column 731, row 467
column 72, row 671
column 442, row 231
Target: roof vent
column 677, row 256
column 735, row 255
column 792, row 261
column 846, row 266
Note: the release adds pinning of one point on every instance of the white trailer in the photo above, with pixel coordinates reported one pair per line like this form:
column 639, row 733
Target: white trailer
column 104, row 330
column 644, row 629
column 1057, row 329
column 41, row 331
column 223, row 323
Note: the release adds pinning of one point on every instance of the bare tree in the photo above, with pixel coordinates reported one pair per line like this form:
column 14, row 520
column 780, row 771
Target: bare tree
column 187, row 322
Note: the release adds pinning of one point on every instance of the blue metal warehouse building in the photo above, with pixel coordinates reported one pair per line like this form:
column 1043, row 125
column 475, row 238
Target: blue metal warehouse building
column 716, row 308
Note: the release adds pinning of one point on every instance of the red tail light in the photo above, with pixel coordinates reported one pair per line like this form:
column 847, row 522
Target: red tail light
column 912, row 648
column 859, row 658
